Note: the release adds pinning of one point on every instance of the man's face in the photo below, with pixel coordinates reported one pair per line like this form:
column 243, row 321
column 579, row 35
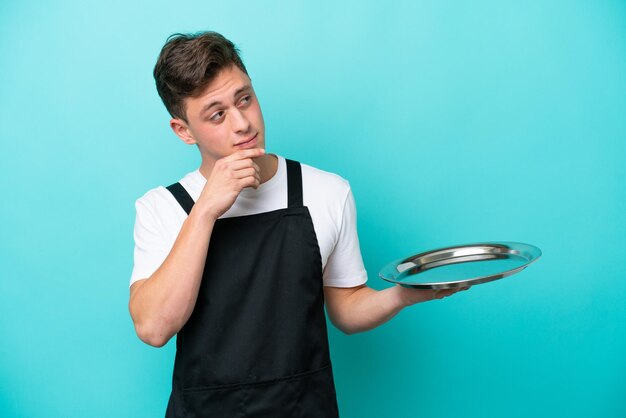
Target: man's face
column 225, row 118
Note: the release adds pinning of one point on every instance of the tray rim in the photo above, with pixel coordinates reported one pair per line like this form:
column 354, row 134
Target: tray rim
column 513, row 247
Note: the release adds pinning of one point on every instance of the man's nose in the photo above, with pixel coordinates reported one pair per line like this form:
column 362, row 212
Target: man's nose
column 239, row 121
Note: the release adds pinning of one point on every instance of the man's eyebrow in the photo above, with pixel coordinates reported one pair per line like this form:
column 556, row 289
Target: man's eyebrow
column 240, row 90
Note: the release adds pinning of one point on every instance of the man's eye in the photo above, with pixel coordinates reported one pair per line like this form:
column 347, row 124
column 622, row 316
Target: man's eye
column 245, row 100
column 217, row 115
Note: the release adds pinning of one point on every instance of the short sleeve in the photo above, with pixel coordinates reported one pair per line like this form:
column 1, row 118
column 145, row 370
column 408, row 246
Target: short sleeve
column 344, row 267
column 151, row 246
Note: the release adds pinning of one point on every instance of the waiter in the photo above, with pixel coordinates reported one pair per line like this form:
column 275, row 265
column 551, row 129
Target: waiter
column 239, row 257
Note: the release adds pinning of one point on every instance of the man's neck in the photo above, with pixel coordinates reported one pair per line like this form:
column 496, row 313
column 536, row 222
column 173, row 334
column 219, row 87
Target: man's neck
column 268, row 164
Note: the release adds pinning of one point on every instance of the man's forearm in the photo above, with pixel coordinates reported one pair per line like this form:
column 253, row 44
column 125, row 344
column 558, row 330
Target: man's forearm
column 363, row 308
column 162, row 304
column 366, row 308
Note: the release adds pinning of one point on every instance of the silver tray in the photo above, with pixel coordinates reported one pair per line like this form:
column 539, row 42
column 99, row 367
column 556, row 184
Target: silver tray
column 461, row 265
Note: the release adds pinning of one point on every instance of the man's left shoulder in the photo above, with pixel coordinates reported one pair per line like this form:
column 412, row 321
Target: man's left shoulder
column 324, row 180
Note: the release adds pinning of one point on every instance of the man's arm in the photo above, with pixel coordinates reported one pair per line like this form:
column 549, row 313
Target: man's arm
column 161, row 304
column 361, row 308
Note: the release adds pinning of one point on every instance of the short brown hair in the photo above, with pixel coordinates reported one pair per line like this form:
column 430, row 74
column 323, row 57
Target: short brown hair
column 188, row 63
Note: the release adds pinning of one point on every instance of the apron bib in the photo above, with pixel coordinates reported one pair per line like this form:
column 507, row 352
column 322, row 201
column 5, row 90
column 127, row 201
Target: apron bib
column 256, row 343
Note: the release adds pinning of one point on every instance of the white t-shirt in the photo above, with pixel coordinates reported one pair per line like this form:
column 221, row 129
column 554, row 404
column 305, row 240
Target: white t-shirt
column 328, row 197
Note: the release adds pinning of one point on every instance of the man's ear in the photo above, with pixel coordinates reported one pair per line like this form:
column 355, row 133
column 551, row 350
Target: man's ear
column 181, row 130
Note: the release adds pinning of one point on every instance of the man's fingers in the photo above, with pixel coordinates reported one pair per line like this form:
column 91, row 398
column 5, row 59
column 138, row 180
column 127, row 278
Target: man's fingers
column 439, row 294
column 241, row 164
column 245, row 153
column 241, row 168
column 246, row 172
column 249, row 181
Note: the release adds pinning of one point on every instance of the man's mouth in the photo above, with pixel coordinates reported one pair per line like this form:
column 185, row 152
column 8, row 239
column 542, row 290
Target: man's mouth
column 246, row 141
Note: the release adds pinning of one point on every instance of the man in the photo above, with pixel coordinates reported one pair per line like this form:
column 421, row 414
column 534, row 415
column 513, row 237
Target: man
column 239, row 257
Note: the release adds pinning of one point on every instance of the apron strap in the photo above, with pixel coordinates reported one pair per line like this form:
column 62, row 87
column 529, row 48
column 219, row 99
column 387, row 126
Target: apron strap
column 182, row 196
column 294, row 184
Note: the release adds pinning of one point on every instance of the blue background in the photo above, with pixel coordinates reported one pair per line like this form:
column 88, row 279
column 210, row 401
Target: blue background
column 454, row 122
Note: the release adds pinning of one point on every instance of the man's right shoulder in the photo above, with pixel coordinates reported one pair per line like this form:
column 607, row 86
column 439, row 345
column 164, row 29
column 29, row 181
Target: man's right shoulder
column 159, row 208
column 158, row 203
column 159, row 196
column 153, row 197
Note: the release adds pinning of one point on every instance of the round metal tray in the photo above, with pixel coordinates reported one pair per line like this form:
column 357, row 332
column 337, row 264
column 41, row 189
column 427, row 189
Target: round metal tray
column 461, row 265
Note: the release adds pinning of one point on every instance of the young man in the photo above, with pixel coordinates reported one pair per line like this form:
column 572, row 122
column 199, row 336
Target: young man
column 239, row 257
